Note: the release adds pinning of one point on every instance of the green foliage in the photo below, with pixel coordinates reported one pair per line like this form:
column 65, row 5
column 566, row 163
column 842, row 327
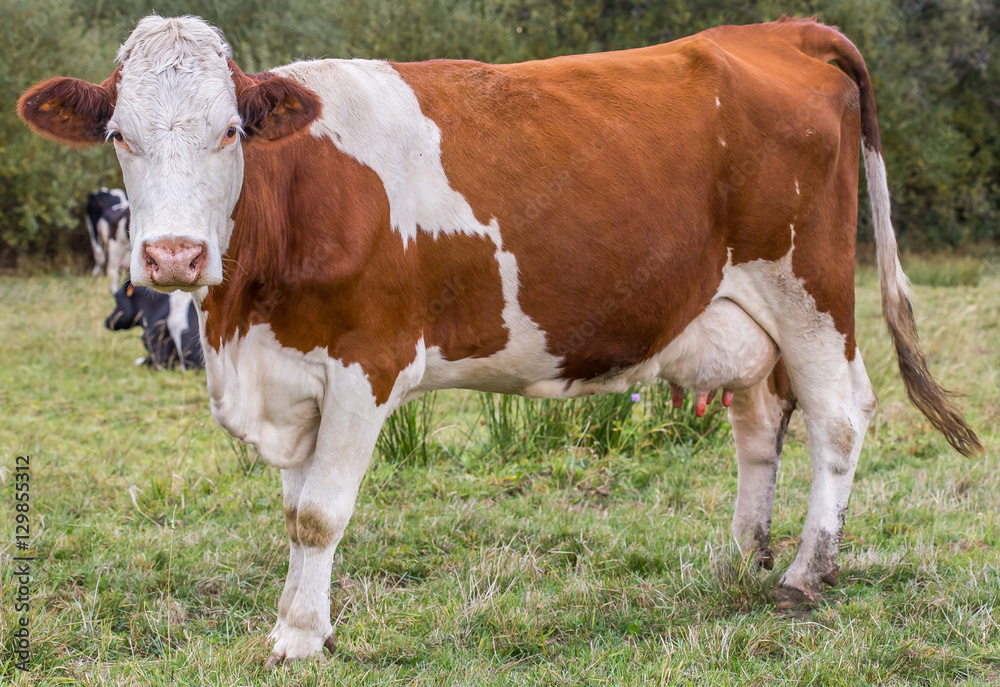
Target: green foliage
column 934, row 63
column 42, row 184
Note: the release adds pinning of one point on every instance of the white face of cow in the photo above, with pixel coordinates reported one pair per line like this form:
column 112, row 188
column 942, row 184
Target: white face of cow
column 176, row 129
column 177, row 111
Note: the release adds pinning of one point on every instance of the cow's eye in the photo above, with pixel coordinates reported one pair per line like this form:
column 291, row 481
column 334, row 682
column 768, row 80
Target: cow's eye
column 116, row 135
column 231, row 135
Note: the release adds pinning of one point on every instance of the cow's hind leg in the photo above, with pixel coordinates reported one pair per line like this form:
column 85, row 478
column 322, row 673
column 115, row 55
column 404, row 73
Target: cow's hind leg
column 837, row 402
column 831, row 388
column 759, row 416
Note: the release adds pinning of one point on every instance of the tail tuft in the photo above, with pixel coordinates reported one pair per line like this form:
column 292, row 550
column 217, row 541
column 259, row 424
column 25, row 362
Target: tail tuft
column 921, row 387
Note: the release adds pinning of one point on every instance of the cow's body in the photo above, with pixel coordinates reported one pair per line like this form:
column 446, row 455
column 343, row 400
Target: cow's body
column 107, row 225
column 684, row 212
column 169, row 325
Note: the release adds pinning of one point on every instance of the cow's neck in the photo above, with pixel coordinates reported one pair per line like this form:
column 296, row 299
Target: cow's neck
column 307, row 219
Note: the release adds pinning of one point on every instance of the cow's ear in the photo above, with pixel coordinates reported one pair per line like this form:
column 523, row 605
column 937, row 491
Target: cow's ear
column 70, row 111
column 273, row 107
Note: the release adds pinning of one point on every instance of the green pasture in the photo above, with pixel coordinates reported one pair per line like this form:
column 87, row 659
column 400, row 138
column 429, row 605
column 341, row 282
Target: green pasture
column 495, row 541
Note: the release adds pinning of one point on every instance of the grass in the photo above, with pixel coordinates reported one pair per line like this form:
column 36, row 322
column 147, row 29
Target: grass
column 495, row 542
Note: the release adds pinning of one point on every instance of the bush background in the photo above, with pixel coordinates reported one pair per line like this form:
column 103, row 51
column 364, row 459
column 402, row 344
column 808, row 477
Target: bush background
column 935, row 65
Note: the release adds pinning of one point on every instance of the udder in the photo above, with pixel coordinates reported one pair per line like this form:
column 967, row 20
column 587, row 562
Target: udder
column 723, row 348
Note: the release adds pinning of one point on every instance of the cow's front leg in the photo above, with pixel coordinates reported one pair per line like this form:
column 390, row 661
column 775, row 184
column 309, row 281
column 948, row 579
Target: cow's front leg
column 292, row 480
column 318, row 502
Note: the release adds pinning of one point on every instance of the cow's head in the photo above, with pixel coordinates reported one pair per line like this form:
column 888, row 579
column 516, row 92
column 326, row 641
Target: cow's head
column 178, row 111
column 129, row 305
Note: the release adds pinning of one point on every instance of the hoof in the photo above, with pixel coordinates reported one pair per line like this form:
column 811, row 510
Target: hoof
column 832, row 577
column 790, row 597
column 279, row 656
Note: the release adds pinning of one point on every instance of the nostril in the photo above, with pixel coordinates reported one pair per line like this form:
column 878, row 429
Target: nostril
column 175, row 261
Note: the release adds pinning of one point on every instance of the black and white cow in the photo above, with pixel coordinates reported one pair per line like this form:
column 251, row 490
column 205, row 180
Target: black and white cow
column 108, row 224
column 169, row 325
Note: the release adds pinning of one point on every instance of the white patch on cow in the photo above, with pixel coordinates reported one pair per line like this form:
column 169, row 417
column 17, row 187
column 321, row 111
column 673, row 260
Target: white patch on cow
column 372, row 114
column 722, row 142
column 103, row 230
column 718, row 103
column 797, row 187
column 176, row 98
column 177, row 321
column 122, row 199
column 522, row 361
column 270, row 396
column 267, row 395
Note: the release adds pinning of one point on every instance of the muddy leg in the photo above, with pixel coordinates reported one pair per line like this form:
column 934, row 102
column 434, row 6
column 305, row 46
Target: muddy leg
column 759, row 416
column 837, row 401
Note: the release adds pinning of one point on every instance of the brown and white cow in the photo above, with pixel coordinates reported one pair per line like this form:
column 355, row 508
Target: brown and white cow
column 359, row 232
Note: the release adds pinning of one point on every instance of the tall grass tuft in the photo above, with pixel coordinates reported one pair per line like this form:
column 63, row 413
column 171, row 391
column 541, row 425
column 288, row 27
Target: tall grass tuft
column 665, row 425
column 406, row 435
column 605, row 423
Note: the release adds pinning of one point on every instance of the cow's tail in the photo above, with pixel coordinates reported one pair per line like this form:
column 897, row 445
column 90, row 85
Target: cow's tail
column 923, row 390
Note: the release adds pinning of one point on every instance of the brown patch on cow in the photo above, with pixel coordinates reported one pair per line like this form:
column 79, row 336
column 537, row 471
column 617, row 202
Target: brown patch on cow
column 313, row 528
column 70, row 111
column 314, row 256
column 291, row 517
column 799, row 128
column 546, row 148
